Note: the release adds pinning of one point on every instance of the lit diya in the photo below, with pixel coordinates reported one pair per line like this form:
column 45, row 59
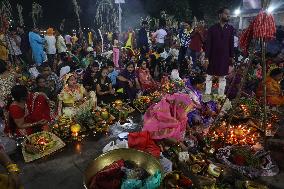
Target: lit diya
column 39, row 143
column 75, row 129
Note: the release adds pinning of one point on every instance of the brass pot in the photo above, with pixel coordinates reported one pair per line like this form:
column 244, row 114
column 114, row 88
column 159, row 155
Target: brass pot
column 142, row 159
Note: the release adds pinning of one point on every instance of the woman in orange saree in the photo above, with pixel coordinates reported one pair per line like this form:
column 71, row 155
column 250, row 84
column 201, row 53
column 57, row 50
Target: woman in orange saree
column 274, row 93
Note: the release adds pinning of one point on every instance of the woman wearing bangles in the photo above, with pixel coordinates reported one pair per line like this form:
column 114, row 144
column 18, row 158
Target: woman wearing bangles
column 11, row 181
column 72, row 96
column 28, row 113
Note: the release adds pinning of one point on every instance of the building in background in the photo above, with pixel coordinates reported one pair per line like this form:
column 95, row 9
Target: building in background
column 250, row 8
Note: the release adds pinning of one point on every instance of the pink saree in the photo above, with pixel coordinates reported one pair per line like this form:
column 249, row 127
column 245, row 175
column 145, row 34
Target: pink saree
column 168, row 118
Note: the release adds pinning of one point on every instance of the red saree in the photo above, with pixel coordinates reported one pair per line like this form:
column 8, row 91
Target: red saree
column 146, row 80
column 37, row 108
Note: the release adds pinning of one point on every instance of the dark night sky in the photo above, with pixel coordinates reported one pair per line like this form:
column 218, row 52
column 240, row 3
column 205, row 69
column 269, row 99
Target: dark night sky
column 55, row 10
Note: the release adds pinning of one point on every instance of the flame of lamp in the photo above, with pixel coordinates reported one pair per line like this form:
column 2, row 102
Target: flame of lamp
column 75, row 128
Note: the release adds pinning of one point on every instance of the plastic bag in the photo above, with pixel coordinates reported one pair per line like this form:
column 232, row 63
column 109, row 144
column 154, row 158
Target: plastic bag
column 121, row 143
column 166, row 164
column 109, row 147
column 115, row 145
column 118, row 128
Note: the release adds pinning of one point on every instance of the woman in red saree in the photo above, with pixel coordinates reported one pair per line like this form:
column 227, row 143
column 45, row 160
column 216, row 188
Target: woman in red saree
column 28, row 113
column 145, row 78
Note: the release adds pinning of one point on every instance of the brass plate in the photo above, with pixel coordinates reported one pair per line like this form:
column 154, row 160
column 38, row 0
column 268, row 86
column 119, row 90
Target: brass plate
column 142, row 159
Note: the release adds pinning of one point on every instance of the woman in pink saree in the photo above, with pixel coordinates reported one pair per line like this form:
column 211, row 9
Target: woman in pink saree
column 168, row 118
column 145, row 78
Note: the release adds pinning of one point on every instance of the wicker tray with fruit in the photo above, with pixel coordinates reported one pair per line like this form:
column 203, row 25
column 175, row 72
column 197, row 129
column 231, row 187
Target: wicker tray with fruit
column 40, row 144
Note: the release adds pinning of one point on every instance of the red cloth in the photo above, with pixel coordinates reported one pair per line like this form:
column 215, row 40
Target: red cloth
column 263, row 26
column 37, row 109
column 245, row 39
column 142, row 141
column 146, row 80
column 197, row 40
column 108, row 178
column 185, row 182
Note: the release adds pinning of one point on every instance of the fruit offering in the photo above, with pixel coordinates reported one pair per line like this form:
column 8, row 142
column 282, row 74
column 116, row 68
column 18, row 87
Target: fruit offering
column 63, row 127
column 142, row 103
column 38, row 143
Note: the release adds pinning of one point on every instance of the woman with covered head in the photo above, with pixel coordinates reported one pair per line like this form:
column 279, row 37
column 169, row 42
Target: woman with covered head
column 274, row 93
column 128, row 82
column 145, row 78
column 28, row 113
column 72, row 96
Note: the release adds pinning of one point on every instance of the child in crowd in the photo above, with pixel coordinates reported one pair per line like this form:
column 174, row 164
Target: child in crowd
column 42, row 87
column 152, row 63
column 116, row 52
column 234, row 81
column 145, row 78
column 204, row 113
column 112, row 73
column 52, row 80
column 105, row 92
column 175, row 73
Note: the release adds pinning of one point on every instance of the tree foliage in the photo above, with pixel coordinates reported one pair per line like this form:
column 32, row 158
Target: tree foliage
column 186, row 9
column 209, row 8
column 180, row 9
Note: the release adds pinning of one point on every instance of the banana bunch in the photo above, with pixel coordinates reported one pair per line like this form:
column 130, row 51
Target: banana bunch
column 64, row 120
column 63, row 127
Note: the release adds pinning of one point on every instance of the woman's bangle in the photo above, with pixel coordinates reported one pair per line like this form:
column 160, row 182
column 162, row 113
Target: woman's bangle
column 13, row 168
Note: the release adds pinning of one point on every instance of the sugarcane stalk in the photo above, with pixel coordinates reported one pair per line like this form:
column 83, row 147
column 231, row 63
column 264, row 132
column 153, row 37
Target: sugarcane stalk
column 264, row 123
column 236, row 102
column 265, row 4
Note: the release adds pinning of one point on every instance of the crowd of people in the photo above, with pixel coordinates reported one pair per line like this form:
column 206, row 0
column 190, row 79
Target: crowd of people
column 43, row 75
